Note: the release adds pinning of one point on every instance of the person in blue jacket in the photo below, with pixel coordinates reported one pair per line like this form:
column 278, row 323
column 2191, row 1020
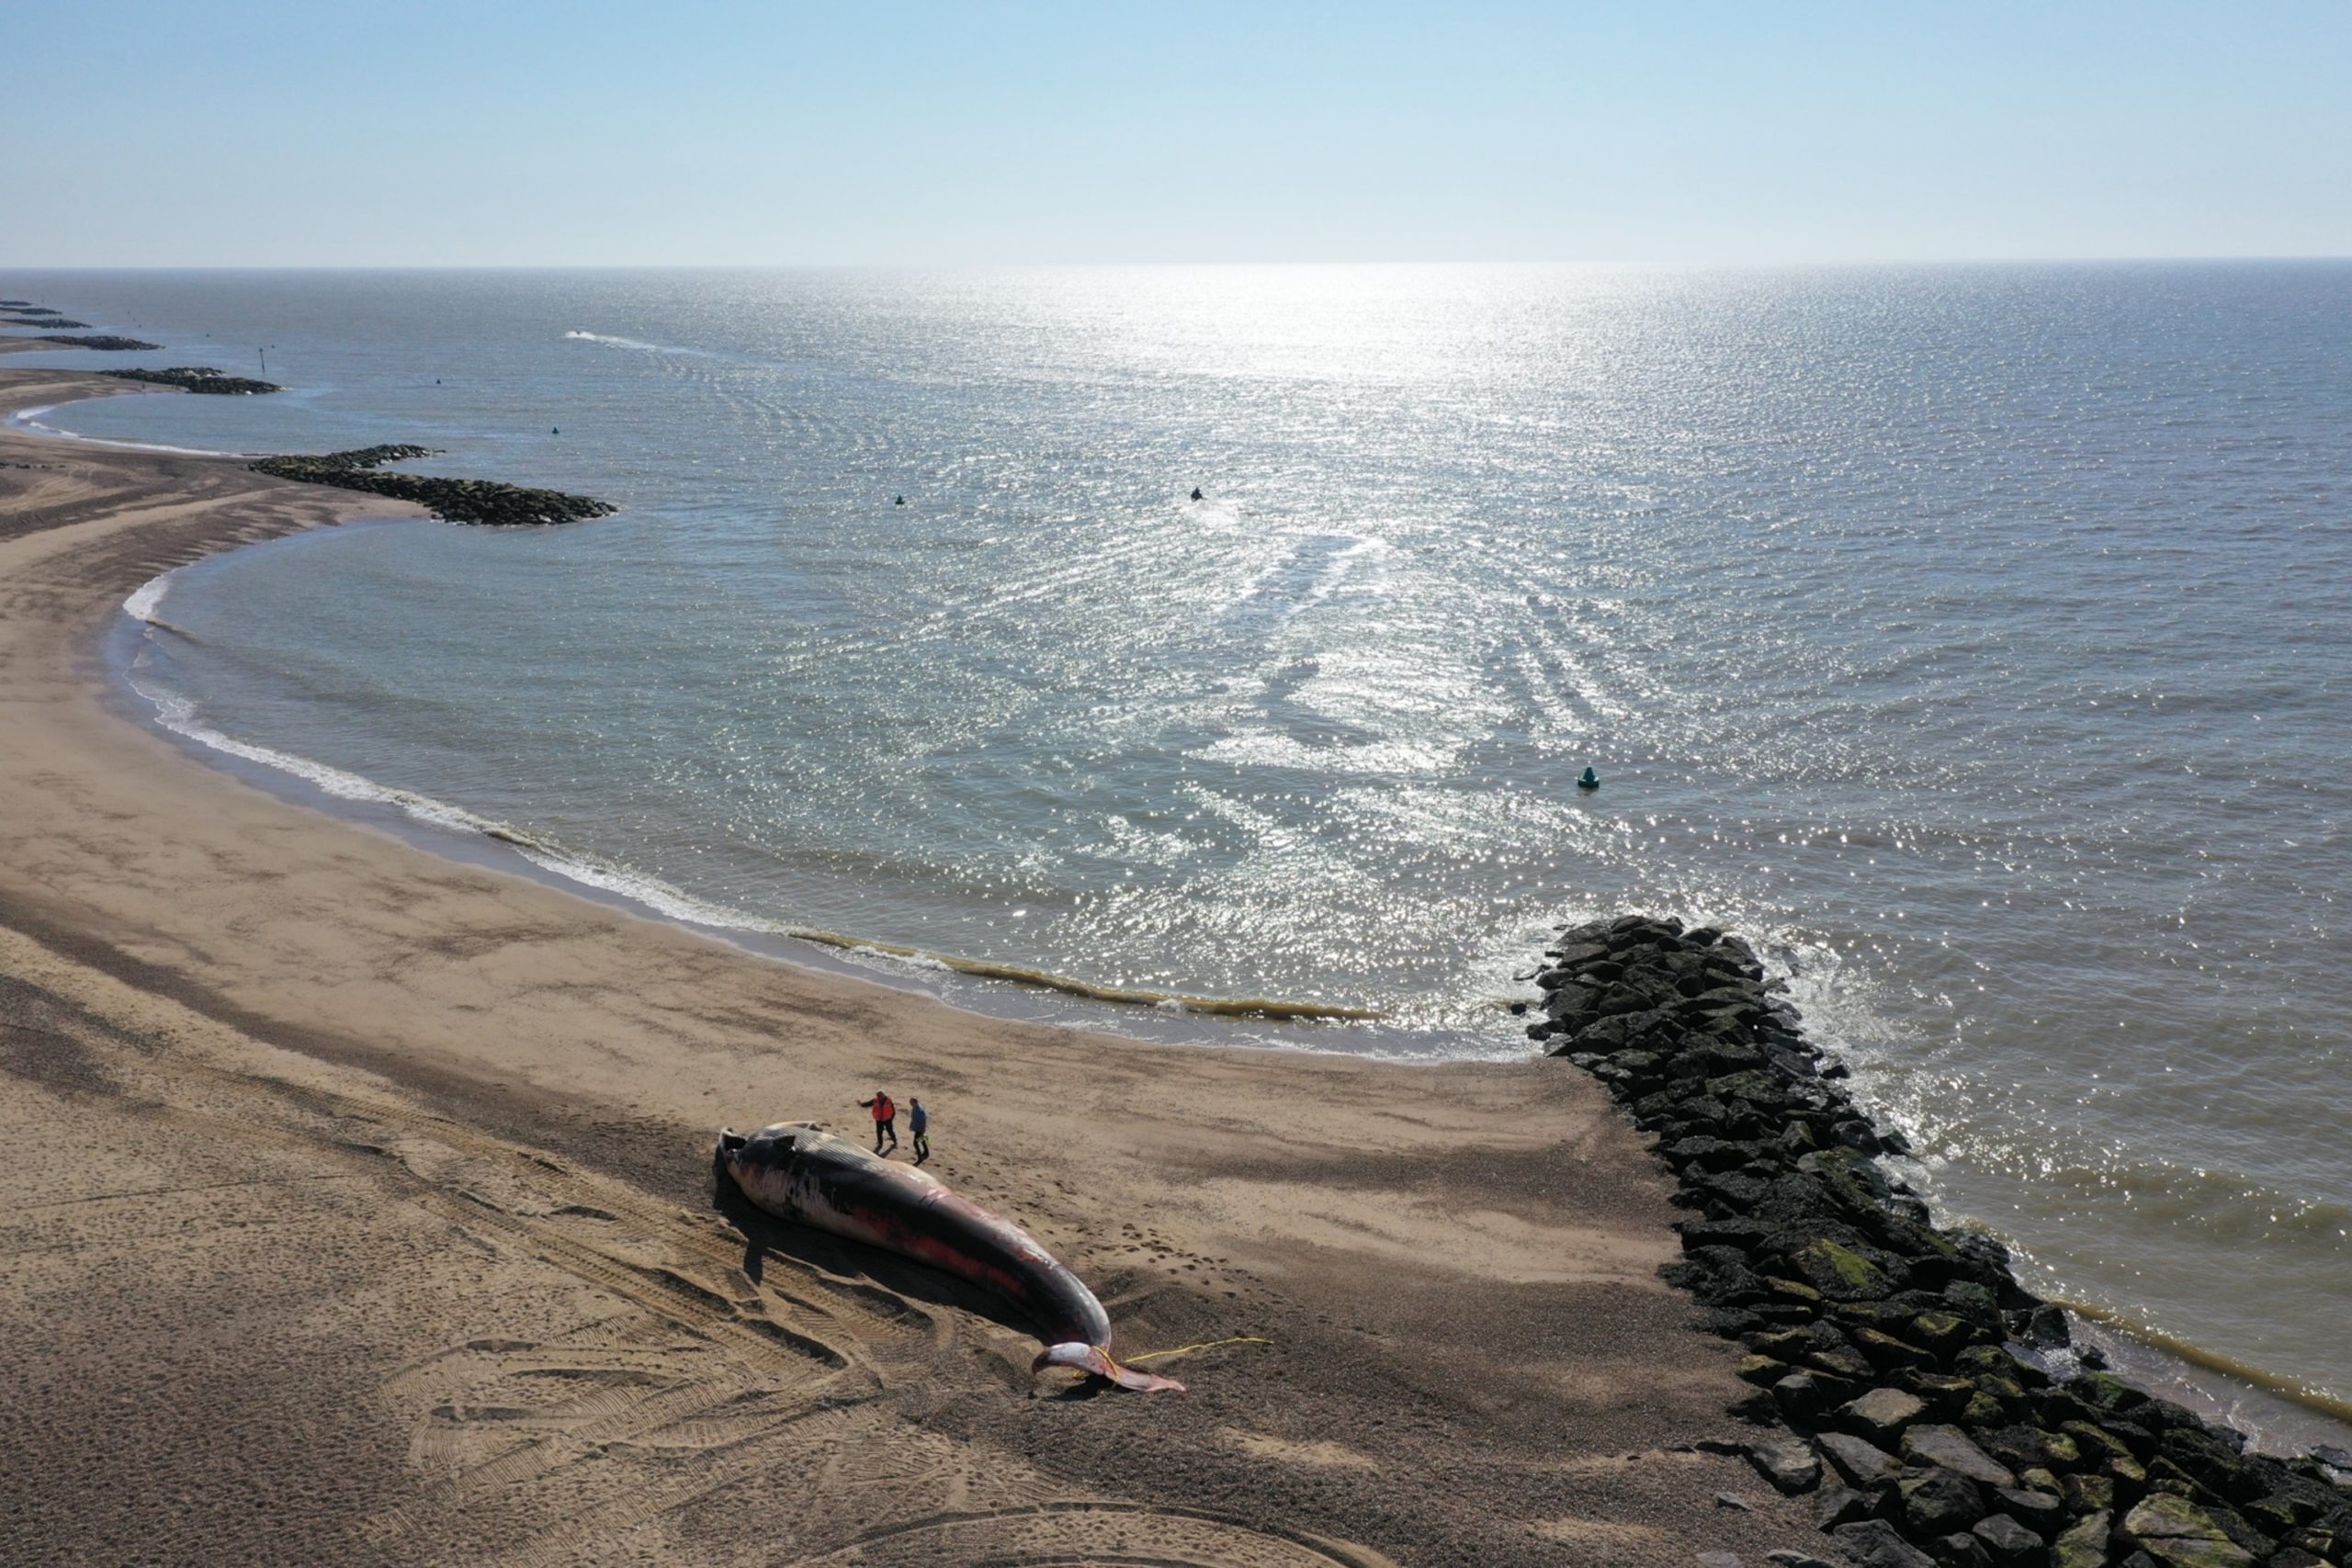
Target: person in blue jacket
column 919, row 1124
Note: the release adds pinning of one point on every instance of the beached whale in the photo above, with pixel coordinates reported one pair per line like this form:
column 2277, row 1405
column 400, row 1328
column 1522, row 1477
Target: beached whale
column 812, row 1177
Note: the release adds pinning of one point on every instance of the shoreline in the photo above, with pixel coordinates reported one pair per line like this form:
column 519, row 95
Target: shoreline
column 577, row 871
column 438, row 1138
column 450, row 1079
column 1026, row 995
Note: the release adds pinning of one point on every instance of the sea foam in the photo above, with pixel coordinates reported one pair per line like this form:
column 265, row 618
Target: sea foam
column 148, row 597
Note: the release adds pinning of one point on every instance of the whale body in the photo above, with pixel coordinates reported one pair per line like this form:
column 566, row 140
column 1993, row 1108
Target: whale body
column 798, row 1173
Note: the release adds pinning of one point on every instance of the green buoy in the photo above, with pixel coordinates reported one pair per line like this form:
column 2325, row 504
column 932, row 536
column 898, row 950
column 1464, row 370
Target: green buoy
column 1589, row 780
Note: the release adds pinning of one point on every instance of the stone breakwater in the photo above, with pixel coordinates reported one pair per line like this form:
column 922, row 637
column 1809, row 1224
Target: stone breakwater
column 45, row 319
column 483, row 501
column 100, row 341
column 1933, row 1406
column 198, row 379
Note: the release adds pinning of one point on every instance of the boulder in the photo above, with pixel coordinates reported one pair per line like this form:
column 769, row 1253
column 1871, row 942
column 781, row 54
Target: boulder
column 1940, row 1333
column 1949, row 1446
column 1860, row 1462
column 1938, row 1502
column 2333, row 1545
column 2083, row 1544
column 2274, row 1516
column 1946, row 1396
column 1791, row 1466
column 2096, row 1443
column 1803, row 1396
column 2088, row 1494
column 2180, row 1534
column 1874, row 1544
column 1850, row 1365
column 1960, row 1550
column 2040, row 1512
column 2009, row 1543
column 1706, row 1153
column 1888, row 1353
column 1844, row 1273
column 1882, row 1413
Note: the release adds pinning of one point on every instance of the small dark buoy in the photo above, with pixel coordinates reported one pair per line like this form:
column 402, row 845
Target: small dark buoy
column 901, row 501
column 553, row 432
column 1589, row 780
column 1196, row 492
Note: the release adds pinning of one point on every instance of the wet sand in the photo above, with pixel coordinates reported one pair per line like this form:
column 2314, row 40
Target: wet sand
column 359, row 1203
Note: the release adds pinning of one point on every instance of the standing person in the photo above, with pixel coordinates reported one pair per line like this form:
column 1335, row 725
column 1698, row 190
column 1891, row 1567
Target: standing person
column 919, row 1124
column 886, row 1120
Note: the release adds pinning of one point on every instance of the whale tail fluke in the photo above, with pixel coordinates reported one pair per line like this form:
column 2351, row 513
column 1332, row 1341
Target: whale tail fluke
column 1097, row 1360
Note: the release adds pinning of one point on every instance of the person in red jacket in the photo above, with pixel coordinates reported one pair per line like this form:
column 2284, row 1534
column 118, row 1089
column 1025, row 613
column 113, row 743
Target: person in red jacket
column 886, row 1120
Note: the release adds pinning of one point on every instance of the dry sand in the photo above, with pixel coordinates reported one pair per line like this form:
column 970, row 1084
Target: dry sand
column 358, row 1208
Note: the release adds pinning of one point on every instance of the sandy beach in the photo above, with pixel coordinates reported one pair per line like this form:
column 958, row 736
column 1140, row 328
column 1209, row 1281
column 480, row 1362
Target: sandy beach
column 359, row 1207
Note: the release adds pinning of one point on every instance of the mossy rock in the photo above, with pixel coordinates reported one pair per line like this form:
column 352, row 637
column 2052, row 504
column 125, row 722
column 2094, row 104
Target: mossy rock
column 1841, row 1273
column 2180, row 1534
column 2083, row 1545
column 2096, row 1443
column 2109, row 1393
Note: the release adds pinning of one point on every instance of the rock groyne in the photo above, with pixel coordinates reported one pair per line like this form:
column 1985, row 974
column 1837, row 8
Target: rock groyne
column 98, row 340
column 1901, row 1373
column 483, row 502
column 198, row 379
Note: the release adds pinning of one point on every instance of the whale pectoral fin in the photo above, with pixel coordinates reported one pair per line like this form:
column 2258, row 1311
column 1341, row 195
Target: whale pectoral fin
column 1096, row 1360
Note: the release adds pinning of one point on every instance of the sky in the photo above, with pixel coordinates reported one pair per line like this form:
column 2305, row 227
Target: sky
column 517, row 132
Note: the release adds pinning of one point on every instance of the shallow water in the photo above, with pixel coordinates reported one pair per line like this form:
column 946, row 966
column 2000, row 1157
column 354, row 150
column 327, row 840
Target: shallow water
column 1976, row 637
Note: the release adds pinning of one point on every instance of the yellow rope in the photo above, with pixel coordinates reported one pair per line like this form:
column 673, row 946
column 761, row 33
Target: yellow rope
column 1188, row 1349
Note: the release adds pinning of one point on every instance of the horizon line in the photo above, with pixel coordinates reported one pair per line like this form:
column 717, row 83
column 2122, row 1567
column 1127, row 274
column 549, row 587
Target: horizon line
column 1675, row 264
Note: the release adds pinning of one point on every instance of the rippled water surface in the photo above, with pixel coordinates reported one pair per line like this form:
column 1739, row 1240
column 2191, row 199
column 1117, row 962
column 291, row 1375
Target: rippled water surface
column 1976, row 637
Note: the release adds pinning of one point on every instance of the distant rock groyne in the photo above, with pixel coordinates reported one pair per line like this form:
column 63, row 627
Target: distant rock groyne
column 98, row 340
column 480, row 502
column 1931, row 1401
column 198, row 379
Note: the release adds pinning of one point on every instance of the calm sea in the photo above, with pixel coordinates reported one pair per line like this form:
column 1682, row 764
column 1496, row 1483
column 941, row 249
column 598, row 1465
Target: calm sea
column 1977, row 638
